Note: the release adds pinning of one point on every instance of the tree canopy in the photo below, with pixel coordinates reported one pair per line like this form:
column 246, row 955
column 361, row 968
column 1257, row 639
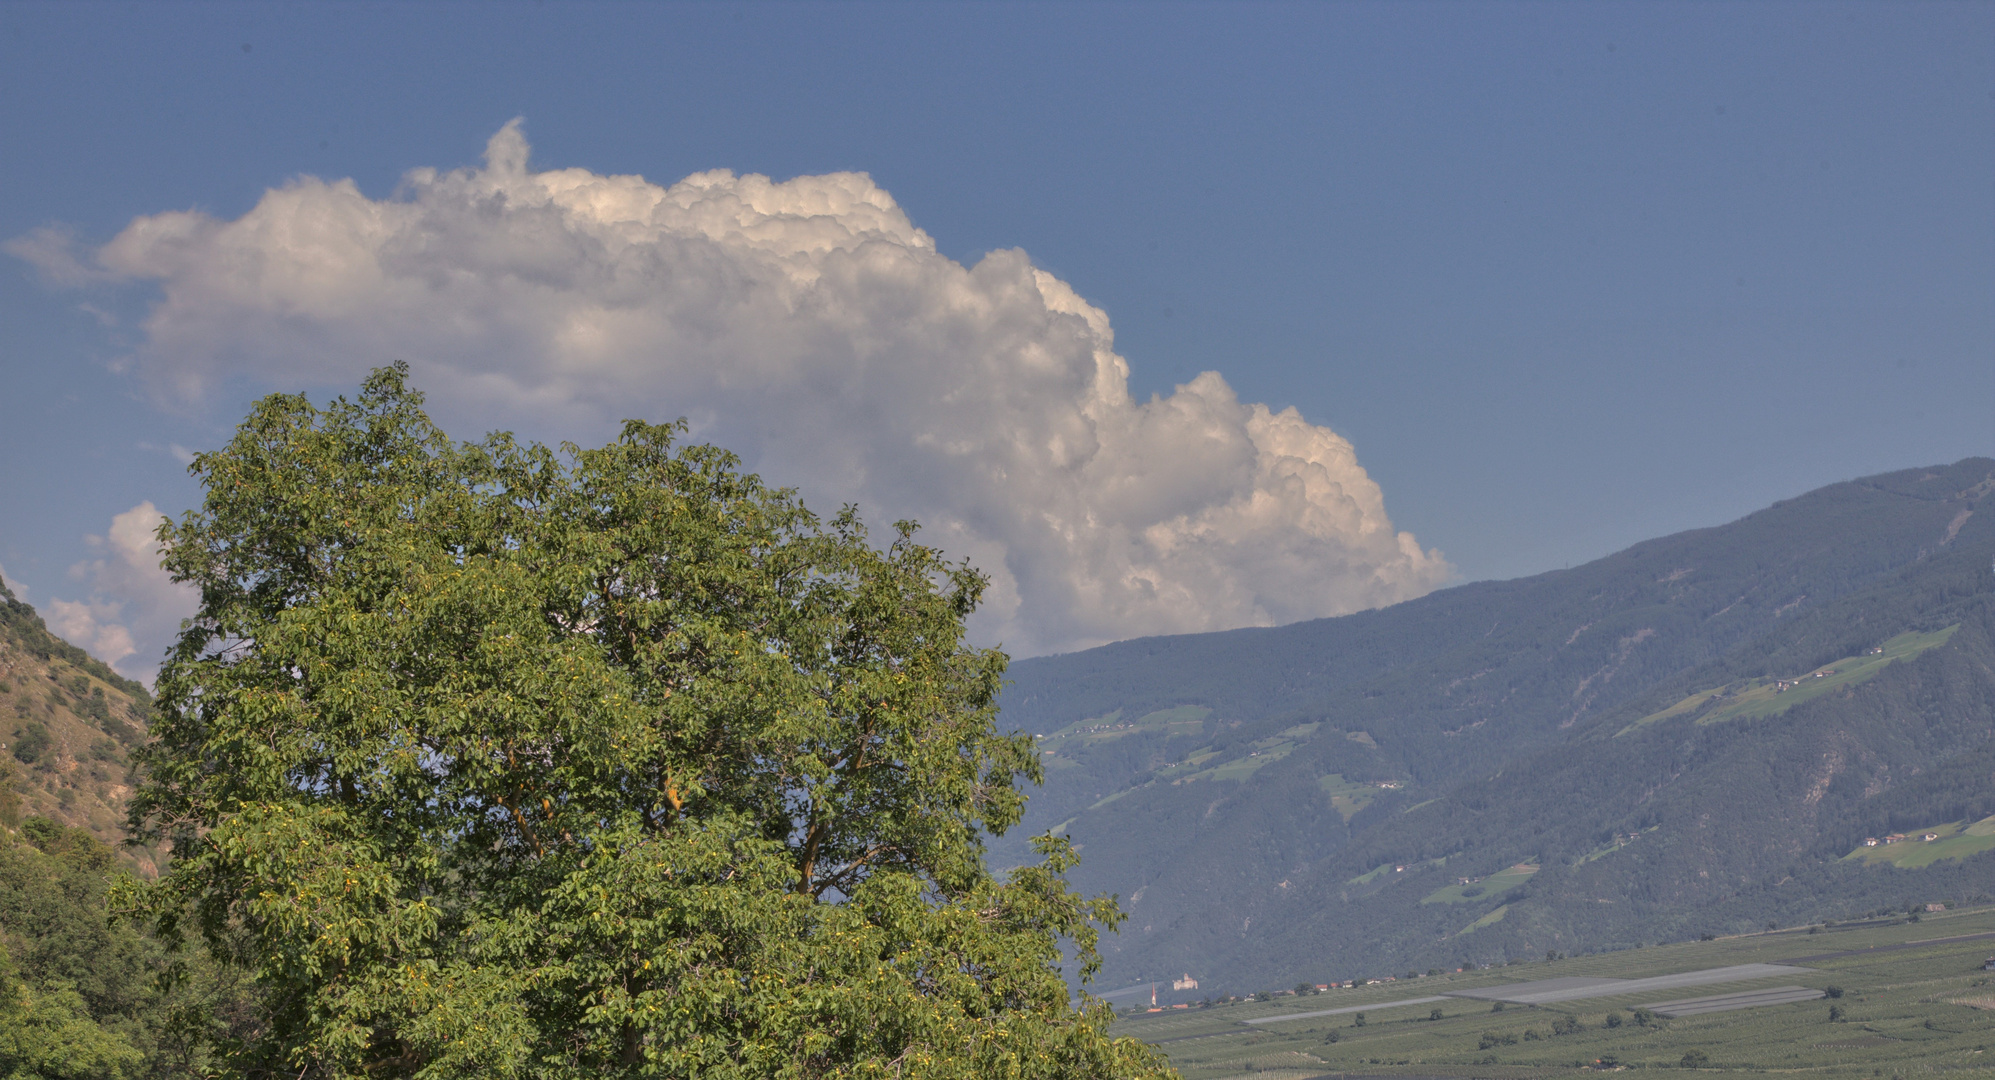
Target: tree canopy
column 499, row 760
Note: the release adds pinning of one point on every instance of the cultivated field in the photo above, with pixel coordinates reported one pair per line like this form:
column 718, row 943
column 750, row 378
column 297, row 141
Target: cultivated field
column 1889, row 998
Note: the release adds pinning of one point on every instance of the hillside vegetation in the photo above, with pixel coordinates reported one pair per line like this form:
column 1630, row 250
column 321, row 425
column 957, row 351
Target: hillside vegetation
column 69, row 725
column 1648, row 729
column 82, row 996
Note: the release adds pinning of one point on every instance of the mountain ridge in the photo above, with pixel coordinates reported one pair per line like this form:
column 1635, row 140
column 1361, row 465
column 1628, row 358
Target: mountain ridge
column 1403, row 706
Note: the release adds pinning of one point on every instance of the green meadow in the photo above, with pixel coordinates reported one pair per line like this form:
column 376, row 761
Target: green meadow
column 1490, row 918
column 1909, row 1000
column 1347, row 797
column 1101, row 729
column 1494, row 885
column 1754, row 698
column 1953, row 840
column 1260, row 753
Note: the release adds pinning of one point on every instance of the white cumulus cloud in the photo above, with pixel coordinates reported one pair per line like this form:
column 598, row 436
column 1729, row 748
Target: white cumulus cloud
column 809, row 325
column 133, row 609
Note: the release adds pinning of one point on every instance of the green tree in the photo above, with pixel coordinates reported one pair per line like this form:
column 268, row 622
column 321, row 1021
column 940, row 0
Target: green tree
column 484, row 759
column 80, row 997
column 61, row 968
column 50, row 1035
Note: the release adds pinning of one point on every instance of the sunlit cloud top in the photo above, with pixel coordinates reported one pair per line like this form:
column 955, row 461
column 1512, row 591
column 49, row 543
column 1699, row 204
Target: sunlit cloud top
column 809, row 325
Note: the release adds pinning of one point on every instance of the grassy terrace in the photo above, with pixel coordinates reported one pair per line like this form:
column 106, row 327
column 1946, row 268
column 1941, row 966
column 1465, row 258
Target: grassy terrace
column 1911, row 1004
column 1185, row 719
column 1755, row 698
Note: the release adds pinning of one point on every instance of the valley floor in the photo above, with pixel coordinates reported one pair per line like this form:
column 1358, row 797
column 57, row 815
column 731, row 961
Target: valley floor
column 1885, row 998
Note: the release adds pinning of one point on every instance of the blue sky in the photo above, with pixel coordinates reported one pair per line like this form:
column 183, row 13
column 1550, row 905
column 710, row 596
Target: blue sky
column 1565, row 276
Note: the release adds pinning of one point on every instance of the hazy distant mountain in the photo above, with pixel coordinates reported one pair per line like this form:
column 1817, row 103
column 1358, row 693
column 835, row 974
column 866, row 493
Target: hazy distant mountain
column 1637, row 749
column 68, row 724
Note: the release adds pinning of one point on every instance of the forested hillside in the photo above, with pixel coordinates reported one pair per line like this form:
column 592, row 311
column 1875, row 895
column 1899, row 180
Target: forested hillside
column 1633, row 750
column 81, row 996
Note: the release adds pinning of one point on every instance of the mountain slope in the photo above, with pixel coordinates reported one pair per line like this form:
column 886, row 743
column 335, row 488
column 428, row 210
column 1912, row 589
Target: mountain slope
column 1225, row 782
column 68, row 724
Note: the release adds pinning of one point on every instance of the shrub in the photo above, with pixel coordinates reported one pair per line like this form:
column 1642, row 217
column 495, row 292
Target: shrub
column 31, row 744
column 1695, row 1059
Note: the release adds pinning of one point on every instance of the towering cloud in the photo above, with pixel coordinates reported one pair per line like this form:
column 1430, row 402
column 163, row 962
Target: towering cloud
column 811, row 326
